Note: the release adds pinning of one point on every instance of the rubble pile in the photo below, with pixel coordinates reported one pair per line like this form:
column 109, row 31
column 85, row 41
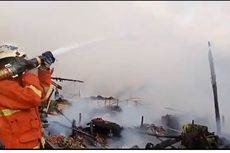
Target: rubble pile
column 101, row 133
column 63, row 142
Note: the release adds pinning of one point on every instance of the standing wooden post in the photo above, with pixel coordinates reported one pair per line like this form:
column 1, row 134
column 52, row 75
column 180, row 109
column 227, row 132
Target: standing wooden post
column 49, row 100
column 79, row 121
column 91, row 127
column 214, row 87
column 74, row 127
column 142, row 120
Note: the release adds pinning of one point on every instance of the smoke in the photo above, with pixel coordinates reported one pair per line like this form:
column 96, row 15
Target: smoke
column 129, row 118
column 165, row 63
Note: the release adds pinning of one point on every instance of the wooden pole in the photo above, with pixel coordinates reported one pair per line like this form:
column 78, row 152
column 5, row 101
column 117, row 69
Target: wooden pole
column 91, row 127
column 79, row 121
column 49, row 100
column 214, row 87
column 142, row 120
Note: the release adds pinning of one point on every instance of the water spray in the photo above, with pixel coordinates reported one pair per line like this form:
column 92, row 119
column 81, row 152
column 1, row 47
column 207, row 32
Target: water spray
column 18, row 66
column 62, row 50
column 76, row 46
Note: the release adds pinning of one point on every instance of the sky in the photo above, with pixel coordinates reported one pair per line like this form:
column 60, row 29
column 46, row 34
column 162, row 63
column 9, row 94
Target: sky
column 154, row 50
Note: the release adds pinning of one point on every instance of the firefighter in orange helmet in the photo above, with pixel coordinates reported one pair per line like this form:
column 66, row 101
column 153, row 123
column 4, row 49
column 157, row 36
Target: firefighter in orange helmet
column 20, row 125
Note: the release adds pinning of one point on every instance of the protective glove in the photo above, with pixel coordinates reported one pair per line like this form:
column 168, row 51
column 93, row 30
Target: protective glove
column 17, row 66
column 47, row 59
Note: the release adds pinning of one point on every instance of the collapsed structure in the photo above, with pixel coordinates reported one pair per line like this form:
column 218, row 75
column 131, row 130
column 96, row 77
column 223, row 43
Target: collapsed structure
column 171, row 134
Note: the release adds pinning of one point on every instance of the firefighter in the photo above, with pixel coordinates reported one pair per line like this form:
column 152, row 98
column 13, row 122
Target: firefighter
column 20, row 125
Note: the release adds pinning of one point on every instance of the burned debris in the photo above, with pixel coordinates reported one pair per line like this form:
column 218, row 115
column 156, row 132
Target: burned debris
column 92, row 135
column 171, row 123
column 98, row 126
column 170, row 133
column 96, row 132
column 62, row 142
column 110, row 103
column 193, row 136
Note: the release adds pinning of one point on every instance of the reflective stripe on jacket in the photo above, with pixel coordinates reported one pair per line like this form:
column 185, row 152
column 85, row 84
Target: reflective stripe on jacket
column 7, row 112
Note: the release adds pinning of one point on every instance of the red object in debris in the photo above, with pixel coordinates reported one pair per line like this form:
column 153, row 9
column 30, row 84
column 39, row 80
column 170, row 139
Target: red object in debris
column 98, row 120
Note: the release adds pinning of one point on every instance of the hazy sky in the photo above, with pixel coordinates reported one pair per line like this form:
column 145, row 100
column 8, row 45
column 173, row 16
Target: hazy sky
column 155, row 50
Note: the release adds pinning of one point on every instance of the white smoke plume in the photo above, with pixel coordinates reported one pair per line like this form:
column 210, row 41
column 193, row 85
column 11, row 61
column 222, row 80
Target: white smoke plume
column 130, row 117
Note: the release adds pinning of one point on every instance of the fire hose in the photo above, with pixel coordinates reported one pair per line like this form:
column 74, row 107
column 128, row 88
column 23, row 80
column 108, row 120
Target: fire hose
column 18, row 65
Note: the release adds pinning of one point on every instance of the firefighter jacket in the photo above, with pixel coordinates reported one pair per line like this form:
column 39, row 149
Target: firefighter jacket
column 20, row 125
